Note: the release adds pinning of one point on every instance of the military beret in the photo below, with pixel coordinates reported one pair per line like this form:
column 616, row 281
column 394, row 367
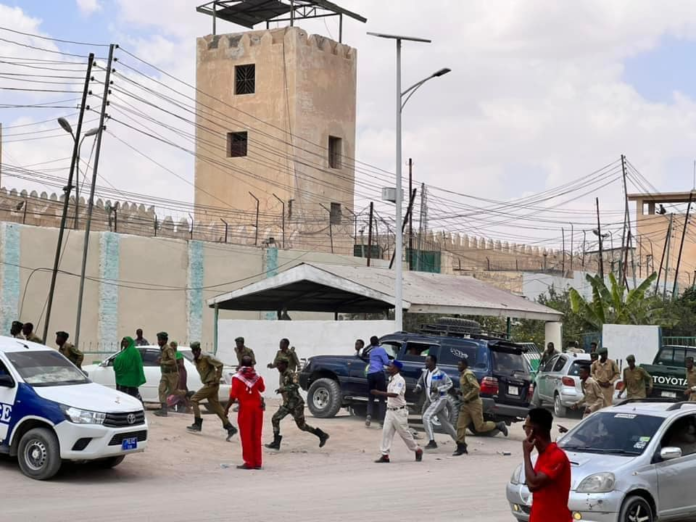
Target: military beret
column 163, row 335
column 239, row 340
column 631, row 358
column 196, row 345
column 398, row 364
column 62, row 334
column 17, row 324
column 602, row 351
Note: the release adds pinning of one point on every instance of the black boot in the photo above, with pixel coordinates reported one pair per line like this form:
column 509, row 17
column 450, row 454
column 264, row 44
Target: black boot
column 162, row 412
column 323, row 437
column 461, row 450
column 431, row 445
column 231, row 431
column 502, row 428
column 197, row 425
column 276, row 442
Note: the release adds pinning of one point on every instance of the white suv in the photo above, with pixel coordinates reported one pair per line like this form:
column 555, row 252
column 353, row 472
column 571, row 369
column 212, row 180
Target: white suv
column 51, row 412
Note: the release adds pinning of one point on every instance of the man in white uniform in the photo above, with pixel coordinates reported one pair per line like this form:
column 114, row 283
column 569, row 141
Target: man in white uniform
column 396, row 418
column 437, row 385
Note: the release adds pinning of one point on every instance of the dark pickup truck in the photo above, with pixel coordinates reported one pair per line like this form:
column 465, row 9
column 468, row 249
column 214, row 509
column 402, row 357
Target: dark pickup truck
column 336, row 381
column 668, row 371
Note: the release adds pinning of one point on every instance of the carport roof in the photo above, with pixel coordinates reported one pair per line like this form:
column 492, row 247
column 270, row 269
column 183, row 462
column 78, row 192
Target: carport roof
column 313, row 287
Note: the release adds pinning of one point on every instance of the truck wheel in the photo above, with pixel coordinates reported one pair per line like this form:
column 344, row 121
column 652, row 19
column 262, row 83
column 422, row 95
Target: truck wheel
column 111, row 462
column 558, row 409
column 39, row 454
column 636, row 508
column 324, row 398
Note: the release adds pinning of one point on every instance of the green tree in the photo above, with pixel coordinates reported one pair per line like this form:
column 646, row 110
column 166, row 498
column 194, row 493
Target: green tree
column 614, row 305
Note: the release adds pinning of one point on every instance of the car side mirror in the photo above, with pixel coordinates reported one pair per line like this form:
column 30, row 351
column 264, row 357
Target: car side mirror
column 670, row 453
column 6, row 381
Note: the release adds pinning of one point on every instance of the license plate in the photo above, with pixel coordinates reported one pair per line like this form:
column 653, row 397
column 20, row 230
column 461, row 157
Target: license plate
column 669, row 395
column 130, row 443
column 514, row 390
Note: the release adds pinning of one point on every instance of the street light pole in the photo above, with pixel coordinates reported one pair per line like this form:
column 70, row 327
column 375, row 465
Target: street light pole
column 400, row 103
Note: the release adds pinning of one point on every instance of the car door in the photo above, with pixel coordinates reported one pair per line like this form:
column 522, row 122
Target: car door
column 7, row 401
column 676, row 477
column 149, row 391
column 104, row 373
column 543, row 379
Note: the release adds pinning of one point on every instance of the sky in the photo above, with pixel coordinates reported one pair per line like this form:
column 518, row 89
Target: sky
column 541, row 93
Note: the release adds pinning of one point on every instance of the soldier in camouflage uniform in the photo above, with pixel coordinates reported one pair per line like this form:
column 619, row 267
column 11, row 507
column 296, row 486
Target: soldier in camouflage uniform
column 288, row 353
column 71, row 352
column 293, row 404
column 170, row 374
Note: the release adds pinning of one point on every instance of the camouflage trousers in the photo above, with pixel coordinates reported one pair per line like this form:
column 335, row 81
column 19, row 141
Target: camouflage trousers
column 296, row 410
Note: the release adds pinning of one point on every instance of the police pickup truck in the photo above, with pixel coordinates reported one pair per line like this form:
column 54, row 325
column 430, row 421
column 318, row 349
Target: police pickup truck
column 50, row 413
column 668, row 371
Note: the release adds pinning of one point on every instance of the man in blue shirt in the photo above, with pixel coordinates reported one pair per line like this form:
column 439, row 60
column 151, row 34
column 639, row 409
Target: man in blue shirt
column 376, row 380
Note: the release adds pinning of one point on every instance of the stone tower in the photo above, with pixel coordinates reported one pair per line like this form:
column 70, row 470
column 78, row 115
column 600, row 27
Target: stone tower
column 276, row 117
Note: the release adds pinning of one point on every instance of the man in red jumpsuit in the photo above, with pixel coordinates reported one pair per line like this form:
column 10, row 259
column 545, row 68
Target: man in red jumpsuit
column 247, row 387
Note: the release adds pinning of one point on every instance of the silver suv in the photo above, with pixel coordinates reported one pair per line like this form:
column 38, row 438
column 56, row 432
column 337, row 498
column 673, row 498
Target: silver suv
column 632, row 462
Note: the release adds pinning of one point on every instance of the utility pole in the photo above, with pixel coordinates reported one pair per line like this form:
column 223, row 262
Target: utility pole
column 626, row 227
column 572, row 245
column 406, row 221
column 584, row 241
column 369, row 234
column 662, row 259
column 599, row 235
column 283, row 220
column 66, row 202
column 90, row 206
column 665, row 255
column 330, row 227
column 420, row 226
column 563, row 251
column 681, row 246
column 256, row 238
column 410, row 217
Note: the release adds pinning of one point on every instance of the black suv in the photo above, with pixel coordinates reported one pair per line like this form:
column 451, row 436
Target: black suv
column 336, row 381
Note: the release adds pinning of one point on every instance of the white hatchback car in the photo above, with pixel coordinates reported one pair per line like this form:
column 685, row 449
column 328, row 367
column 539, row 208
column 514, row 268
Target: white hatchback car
column 103, row 374
column 634, row 462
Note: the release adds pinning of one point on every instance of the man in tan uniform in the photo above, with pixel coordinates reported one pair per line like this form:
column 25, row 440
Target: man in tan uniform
column 210, row 370
column 71, row 352
column 241, row 350
column 690, row 379
column 288, row 353
column 471, row 409
column 593, row 399
column 636, row 380
column 170, row 373
column 606, row 373
column 29, row 335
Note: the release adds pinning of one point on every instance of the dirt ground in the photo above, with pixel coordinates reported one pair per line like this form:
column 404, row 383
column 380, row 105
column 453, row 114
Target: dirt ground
column 190, row 477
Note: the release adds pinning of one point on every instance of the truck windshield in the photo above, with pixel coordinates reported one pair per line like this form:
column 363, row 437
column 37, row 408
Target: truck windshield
column 46, row 368
column 613, row 432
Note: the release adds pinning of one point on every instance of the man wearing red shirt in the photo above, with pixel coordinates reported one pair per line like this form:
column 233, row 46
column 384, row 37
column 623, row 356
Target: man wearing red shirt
column 549, row 479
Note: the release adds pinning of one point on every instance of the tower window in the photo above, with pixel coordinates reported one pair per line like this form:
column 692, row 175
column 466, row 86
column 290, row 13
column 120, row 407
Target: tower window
column 335, row 214
column 245, row 79
column 335, row 152
column 236, row 144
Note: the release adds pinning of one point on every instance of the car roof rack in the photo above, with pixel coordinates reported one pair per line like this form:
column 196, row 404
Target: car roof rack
column 647, row 400
column 678, row 405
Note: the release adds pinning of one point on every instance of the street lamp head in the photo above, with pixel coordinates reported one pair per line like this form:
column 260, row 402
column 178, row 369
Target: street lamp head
column 442, row 72
column 65, row 124
column 91, row 132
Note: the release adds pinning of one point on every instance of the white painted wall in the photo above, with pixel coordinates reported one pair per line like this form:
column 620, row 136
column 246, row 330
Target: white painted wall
column 309, row 338
column 622, row 340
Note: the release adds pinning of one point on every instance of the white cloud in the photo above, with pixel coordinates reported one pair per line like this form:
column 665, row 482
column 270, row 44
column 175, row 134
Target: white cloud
column 88, row 7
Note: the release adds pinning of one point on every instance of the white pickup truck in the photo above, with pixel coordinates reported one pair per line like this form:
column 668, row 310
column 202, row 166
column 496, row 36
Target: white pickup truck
column 51, row 412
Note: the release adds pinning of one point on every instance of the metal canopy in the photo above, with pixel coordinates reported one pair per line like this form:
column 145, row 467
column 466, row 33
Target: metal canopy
column 249, row 13
column 313, row 287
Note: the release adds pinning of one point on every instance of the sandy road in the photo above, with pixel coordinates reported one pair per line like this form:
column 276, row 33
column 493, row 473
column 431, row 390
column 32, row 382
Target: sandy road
column 181, row 478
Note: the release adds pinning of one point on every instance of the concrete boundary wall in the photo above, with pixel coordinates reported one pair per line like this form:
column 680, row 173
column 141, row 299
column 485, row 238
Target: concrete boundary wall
column 309, row 338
